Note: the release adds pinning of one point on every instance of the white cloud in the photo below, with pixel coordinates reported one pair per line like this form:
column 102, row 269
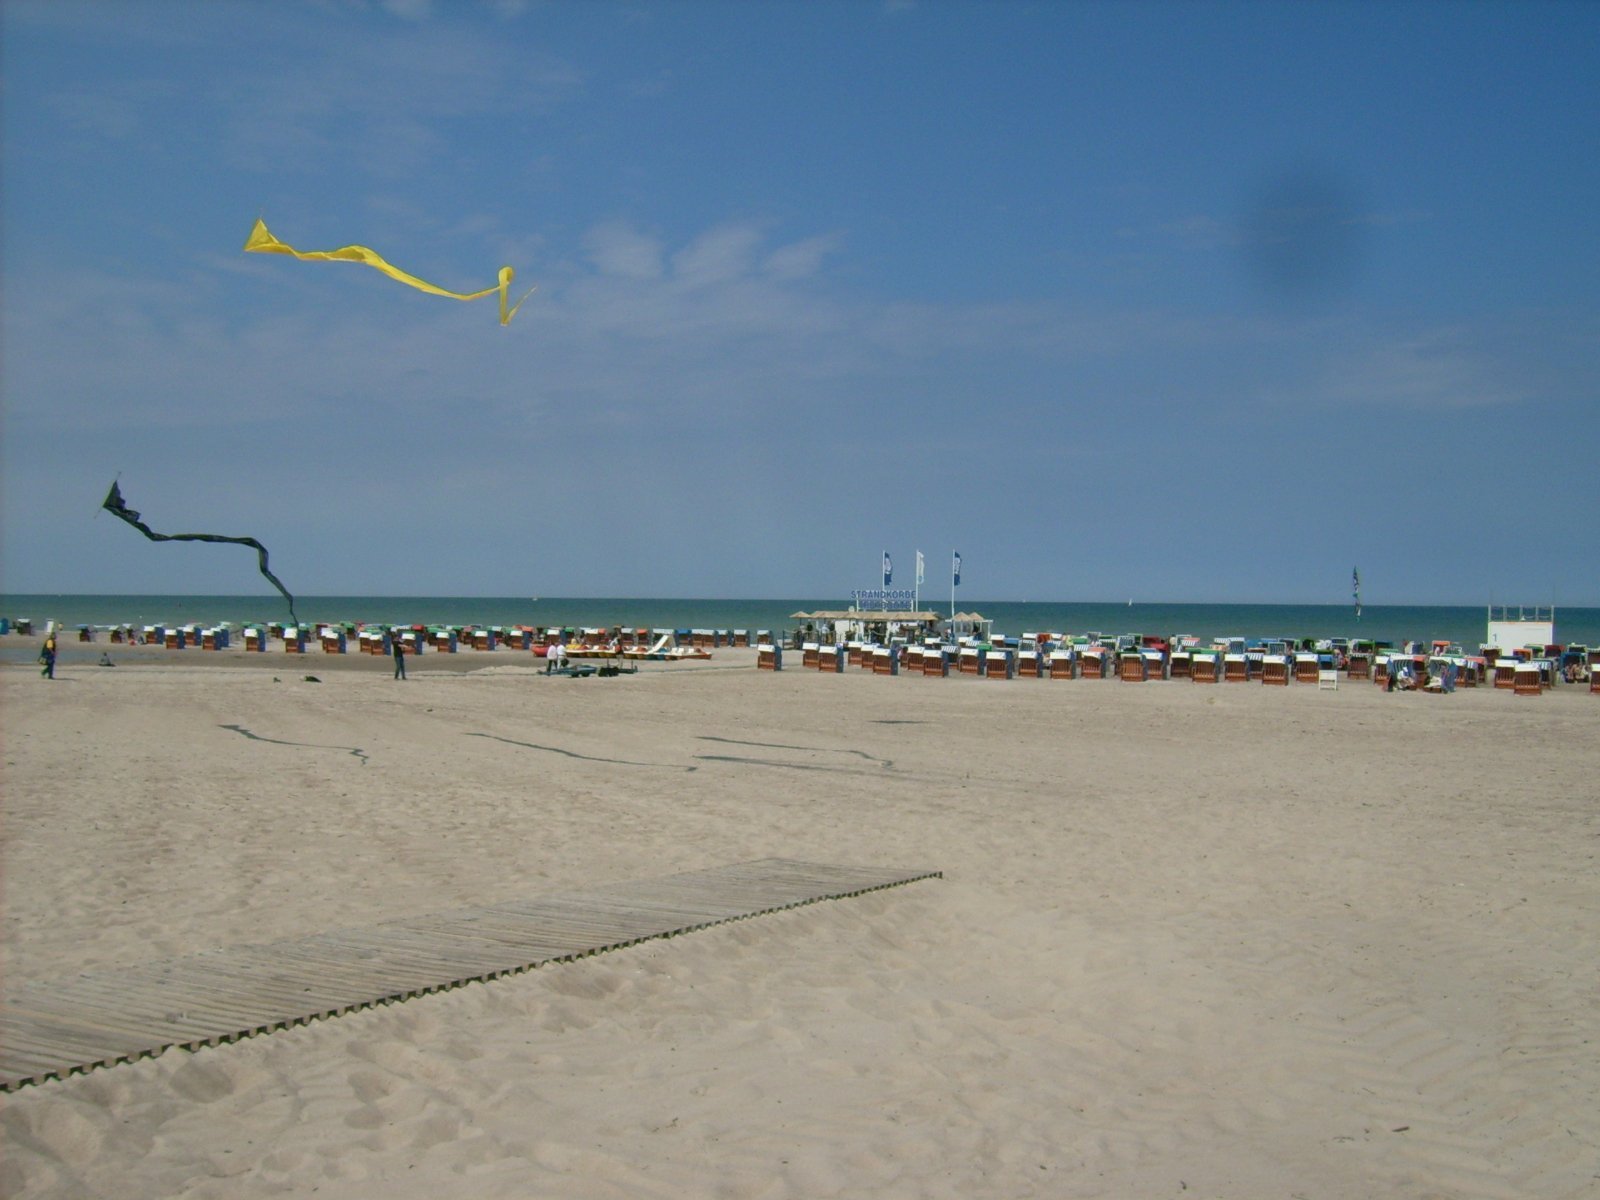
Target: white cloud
column 717, row 255
column 621, row 250
column 1435, row 370
column 409, row 10
column 391, row 107
column 800, row 260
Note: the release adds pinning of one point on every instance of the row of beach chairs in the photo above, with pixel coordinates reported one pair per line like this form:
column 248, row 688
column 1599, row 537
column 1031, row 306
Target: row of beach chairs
column 1436, row 675
column 340, row 639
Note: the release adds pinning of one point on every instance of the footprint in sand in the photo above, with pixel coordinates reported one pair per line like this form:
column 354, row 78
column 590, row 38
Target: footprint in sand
column 366, row 1117
column 370, row 1086
column 207, row 1082
column 59, row 1128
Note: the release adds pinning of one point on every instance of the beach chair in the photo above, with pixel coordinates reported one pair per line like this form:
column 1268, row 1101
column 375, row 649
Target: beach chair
column 1505, row 674
column 998, row 663
column 1155, row 664
column 294, row 640
column 886, row 660
column 1205, row 667
column 1030, row 664
column 1306, row 668
column 831, row 659
column 969, row 661
column 769, row 657
column 1092, row 663
column 1235, row 668
column 911, row 659
column 333, row 640
column 1131, row 668
column 1181, row 664
column 935, row 661
column 1527, row 679
column 1060, row 664
column 1275, row 670
column 811, row 656
column 1359, row 666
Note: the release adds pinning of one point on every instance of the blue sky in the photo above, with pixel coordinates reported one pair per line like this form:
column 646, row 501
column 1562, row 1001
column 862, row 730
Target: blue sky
column 1184, row 302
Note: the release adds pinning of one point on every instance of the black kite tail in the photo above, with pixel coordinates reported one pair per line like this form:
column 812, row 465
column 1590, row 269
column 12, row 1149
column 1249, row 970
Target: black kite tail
column 115, row 505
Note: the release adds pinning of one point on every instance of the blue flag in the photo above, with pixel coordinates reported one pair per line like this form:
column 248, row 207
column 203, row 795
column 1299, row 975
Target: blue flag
column 1355, row 587
column 955, row 570
column 888, row 570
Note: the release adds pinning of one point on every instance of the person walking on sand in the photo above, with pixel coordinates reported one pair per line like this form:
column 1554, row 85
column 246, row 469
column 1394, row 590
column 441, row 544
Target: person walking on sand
column 47, row 657
column 399, row 654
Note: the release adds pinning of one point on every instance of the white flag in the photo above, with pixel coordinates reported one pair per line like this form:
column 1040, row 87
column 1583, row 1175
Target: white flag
column 920, row 576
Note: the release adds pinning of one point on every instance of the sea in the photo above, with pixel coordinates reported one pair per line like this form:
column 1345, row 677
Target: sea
column 1466, row 624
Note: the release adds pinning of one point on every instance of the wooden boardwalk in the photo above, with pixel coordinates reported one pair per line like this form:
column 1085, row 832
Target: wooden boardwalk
column 50, row 1030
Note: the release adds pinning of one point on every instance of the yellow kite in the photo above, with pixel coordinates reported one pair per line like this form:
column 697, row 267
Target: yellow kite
column 261, row 241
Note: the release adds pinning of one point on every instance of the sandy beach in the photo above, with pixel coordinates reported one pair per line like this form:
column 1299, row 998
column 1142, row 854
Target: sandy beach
column 1225, row 941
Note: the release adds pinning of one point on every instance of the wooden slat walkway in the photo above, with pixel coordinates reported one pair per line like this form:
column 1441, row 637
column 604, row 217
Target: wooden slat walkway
column 50, row 1030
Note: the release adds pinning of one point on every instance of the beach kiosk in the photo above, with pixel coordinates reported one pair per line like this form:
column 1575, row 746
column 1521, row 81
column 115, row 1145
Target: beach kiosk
column 1509, row 629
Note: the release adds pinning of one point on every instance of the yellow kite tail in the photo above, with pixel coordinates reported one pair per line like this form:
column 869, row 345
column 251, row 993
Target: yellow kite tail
column 261, row 241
